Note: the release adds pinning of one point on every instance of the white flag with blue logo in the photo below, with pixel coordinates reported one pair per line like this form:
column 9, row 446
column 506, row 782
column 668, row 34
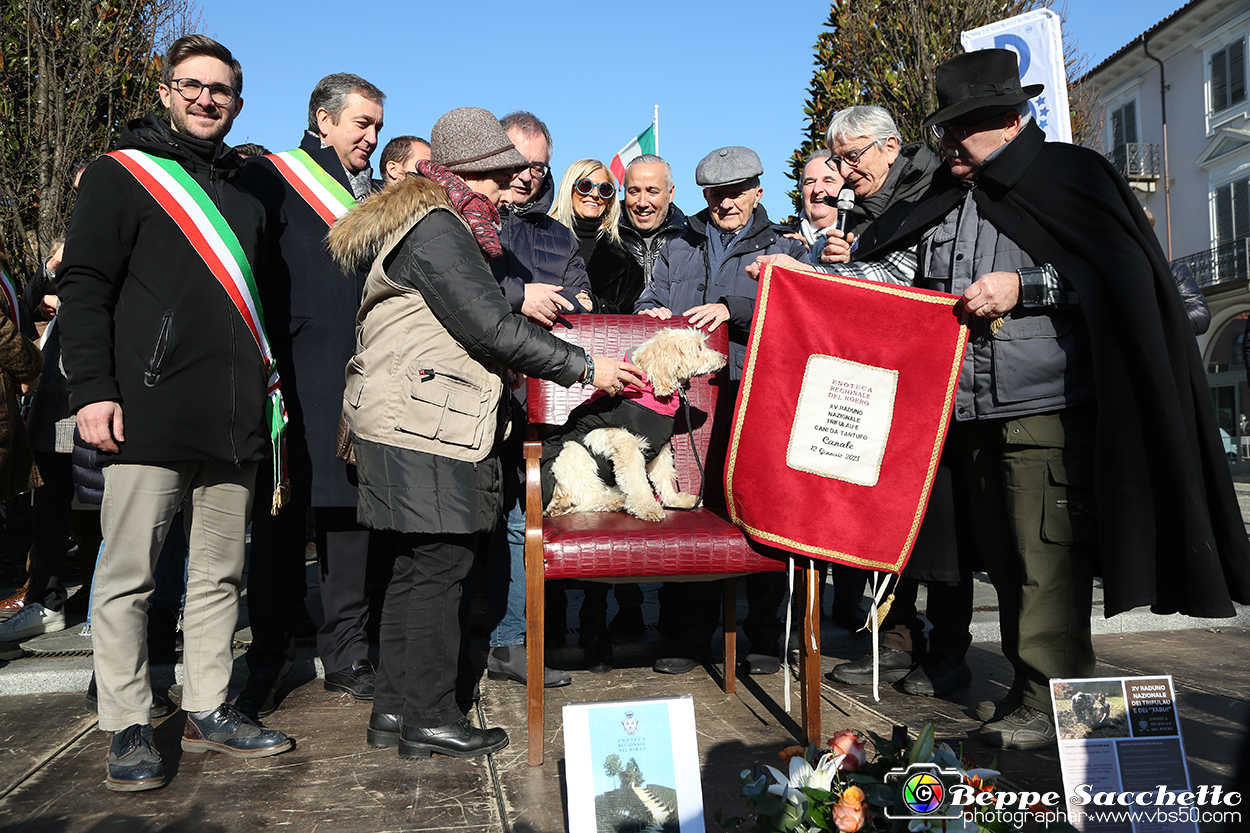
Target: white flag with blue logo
column 1036, row 39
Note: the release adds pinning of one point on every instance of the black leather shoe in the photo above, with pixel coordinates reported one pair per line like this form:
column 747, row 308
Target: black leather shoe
column 894, row 666
column 384, row 729
column 674, row 665
column 161, row 705
column 761, row 664
column 937, row 676
column 260, row 697
column 458, row 740
column 230, row 731
column 133, row 762
column 358, row 680
column 504, row 663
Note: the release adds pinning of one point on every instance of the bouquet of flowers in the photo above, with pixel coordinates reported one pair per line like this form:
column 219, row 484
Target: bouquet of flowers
column 836, row 788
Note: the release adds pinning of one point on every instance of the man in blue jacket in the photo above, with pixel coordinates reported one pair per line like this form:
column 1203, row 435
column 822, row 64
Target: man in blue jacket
column 701, row 274
column 543, row 277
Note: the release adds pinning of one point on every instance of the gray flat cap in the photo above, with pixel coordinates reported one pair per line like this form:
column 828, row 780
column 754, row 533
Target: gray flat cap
column 727, row 166
column 471, row 140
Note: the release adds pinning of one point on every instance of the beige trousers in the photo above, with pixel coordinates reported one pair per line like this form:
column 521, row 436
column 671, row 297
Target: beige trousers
column 139, row 504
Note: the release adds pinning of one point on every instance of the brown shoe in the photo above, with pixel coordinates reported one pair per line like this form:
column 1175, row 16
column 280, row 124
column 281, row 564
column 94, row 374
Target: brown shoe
column 13, row 605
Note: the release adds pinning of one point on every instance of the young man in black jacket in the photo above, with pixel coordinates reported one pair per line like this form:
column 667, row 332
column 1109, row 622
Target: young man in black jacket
column 168, row 376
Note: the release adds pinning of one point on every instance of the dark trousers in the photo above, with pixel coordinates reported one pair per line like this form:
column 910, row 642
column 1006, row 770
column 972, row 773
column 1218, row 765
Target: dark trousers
column 419, row 641
column 354, row 561
column 949, row 610
column 690, row 611
column 50, row 521
column 276, row 586
column 1029, row 487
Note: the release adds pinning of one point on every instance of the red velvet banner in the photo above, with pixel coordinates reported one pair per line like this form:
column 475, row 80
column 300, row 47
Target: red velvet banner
column 845, row 400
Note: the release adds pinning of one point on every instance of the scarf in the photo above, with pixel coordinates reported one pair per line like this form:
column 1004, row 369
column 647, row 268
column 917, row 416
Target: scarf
column 479, row 212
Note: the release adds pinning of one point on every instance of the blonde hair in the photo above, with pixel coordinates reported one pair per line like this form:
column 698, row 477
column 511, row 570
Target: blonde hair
column 562, row 206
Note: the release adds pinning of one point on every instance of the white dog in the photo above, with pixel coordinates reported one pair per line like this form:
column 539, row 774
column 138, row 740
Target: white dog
column 613, row 449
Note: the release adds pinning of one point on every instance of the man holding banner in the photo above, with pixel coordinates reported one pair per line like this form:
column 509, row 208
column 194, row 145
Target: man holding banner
column 168, row 367
column 1083, row 438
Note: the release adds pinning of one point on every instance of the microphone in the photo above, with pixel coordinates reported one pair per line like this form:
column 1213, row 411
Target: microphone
column 845, row 204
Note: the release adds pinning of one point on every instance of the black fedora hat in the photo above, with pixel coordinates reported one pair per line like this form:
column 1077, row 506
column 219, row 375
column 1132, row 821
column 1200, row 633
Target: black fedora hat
column 975, row 80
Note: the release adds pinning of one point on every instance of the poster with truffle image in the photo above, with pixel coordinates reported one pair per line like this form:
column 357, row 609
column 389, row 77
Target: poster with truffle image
column 1121, row 736
column 633, row 765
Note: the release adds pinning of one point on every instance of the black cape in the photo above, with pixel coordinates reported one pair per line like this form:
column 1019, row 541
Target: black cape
column 1170, row 532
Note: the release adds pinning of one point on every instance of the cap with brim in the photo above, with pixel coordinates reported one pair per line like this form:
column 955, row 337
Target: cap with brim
column 471, row 140
column 977, row 81
column 728, row 166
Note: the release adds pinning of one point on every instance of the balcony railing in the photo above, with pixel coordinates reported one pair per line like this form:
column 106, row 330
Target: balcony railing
column 1225, row 263
column 1137, row 161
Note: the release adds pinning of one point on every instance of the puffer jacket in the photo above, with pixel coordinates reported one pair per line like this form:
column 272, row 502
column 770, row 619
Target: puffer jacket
column 680, row 278
column 538, row 248
column 20, row 361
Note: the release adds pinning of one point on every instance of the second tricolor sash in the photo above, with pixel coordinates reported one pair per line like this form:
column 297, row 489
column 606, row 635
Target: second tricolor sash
column 325, row 194
column 186, row 203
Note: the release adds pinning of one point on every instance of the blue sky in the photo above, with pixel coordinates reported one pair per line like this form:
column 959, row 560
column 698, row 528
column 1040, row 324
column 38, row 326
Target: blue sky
column 724, row 73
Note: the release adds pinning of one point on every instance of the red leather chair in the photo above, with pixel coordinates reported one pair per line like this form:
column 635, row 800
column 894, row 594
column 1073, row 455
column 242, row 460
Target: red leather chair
column 699, row 544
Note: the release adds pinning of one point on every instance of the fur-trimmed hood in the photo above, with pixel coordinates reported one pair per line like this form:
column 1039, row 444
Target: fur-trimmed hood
column 358, row 236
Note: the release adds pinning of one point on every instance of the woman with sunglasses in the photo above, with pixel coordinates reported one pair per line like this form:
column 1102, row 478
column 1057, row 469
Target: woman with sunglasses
column 586, row 202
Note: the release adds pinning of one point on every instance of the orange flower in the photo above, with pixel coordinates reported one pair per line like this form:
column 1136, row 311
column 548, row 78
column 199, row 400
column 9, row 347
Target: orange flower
column 791, row 752
column 850, row 814
column 849, row 744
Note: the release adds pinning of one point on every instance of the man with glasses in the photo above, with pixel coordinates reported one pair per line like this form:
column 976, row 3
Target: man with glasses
column 1084, row 437
column 543, row 276
column 886, row 176
column 702, row 274
column 311, row 309
column 167, row 368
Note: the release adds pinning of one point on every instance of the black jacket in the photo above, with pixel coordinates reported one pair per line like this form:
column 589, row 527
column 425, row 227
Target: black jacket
column 1170, row 532
column 310, row 309
column 1191, row 295
column 911, row 185
column 144, row 323
column 538, row 248
column 644, row 252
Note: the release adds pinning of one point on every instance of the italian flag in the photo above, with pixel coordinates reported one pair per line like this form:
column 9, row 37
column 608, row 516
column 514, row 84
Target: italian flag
column 644, row 142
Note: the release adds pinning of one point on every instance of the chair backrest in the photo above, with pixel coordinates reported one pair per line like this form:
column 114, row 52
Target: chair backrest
column 615, row 335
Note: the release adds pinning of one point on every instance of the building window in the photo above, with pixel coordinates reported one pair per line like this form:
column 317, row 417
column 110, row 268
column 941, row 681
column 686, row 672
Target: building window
column 1228, row 76
column 1124, row 125
column 1232, row 211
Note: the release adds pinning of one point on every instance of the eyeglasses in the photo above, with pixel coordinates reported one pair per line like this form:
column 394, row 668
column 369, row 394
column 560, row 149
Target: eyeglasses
column 586, row 186
column 851, row 157
column 539, row 170
column 959, row 132
column 190, row 89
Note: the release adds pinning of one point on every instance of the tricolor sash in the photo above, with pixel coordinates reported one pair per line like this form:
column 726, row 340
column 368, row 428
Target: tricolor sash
column 9, row 292
column 323, row 193
column 186, row 203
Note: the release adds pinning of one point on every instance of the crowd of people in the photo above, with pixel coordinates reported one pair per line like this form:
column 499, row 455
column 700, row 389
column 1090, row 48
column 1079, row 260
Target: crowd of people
column 282, row 341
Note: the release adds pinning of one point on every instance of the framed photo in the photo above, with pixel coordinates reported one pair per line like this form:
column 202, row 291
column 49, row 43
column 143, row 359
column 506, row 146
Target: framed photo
column 631, row 765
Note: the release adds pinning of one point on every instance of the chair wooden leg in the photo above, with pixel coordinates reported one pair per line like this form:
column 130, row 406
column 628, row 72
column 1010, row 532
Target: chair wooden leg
column 730, row 617
column 809, row 656
column 535, row 648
